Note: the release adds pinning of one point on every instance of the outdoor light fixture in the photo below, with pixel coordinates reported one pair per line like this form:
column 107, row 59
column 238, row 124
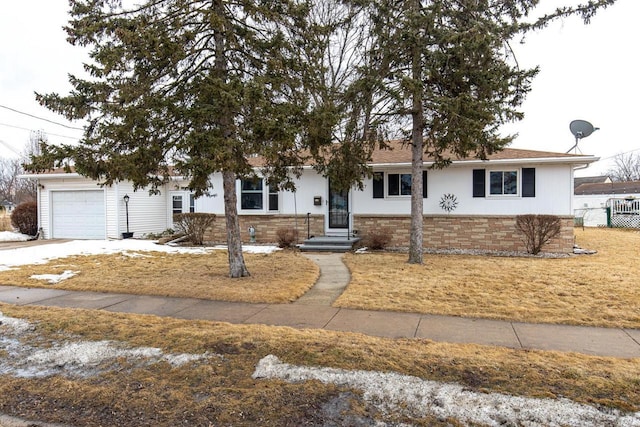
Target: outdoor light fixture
column 126, row 206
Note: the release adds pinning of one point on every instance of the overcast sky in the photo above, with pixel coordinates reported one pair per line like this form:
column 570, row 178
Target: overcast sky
column 587, row 72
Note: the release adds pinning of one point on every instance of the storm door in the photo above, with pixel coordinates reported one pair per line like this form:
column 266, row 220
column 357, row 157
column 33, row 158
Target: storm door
column 338, row 208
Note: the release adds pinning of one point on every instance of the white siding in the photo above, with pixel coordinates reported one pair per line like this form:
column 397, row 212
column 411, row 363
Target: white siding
column 152, row 214
column 309, row 186
column 554, row 190
column 147, row 213
column 553, row 194
column 214, row 202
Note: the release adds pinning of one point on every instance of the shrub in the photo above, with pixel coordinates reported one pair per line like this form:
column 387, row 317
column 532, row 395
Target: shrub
column 287, row 237
column 194, row 225
column 378, row 239
column 25, row 218
column 537, row 230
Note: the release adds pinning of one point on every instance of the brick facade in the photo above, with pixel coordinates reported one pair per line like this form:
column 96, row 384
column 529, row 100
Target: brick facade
column 266, row 227
column 491, row 233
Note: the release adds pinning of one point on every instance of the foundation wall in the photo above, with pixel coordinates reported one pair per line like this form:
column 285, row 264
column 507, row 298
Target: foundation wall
column 491, row 233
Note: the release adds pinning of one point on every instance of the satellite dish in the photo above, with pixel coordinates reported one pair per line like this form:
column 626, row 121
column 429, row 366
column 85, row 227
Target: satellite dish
column 580, row 129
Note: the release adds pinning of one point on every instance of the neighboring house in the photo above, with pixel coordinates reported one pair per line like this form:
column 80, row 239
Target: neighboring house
column 472, row 204
column 6, row 207
column 591, row 201
column 602, row 179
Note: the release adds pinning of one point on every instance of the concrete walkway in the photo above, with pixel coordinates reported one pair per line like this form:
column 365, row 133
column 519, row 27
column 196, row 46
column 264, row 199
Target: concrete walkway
column 314, row 310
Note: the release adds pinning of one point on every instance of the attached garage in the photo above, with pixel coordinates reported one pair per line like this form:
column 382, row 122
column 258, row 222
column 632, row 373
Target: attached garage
column 78, row 214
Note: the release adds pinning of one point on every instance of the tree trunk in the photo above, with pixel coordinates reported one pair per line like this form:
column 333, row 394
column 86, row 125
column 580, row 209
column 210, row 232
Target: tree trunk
column 417, row 202
column 417, row 118
column 237, row 267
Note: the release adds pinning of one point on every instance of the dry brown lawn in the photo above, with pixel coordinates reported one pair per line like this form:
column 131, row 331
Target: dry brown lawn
column 5, row 221
column 279, row 277
column 222, row 391
column 599, row 290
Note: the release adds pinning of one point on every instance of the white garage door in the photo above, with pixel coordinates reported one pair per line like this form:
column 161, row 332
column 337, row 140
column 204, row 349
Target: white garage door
column 78, row 214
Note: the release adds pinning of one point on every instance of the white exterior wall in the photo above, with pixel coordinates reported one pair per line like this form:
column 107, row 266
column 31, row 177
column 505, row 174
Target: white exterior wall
column 553, row 194
column 214, row 202
column 309, row 186
column 147, row 213
column 153, row 214
column 554, row 189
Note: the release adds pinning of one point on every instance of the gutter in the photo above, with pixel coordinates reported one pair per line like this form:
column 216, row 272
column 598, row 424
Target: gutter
column 584, row 161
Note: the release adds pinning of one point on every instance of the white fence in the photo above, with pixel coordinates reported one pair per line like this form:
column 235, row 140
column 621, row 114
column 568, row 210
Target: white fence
column 615, row 212
column 624, row 213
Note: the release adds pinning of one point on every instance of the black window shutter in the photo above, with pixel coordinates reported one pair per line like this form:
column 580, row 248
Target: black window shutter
column 478, row 183
column 393, row 181
column 424, row 184
column 528, row 182
column 378, row 185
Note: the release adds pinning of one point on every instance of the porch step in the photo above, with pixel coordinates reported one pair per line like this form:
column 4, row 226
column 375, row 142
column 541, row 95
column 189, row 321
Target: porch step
column 328, row 244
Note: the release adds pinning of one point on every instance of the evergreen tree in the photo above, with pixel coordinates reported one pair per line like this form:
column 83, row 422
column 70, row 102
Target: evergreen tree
column 444, row 71
column 192, row 84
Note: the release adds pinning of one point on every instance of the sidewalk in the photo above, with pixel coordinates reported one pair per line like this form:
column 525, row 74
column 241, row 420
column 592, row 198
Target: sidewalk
column 314, row 311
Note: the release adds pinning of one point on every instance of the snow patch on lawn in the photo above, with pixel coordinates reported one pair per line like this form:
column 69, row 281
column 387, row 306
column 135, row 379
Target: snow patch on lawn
column 395, row 392
column 71, row 358
column 41, row 254
column 55, row 278
column 10, row 236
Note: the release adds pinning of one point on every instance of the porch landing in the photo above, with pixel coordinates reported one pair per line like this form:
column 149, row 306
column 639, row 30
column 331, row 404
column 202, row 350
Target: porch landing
column 329, row 244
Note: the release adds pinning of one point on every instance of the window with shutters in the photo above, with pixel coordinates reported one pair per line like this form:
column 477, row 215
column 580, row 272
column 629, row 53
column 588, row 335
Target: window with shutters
column 503, row 183
column 397, row 184
column 518, row 182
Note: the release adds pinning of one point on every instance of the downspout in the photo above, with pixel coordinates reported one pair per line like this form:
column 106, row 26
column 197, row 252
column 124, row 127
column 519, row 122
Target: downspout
column 39, row 203
column 573, row 178
column 117, row 210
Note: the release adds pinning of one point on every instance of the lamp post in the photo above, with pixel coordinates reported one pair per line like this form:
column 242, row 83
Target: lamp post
column 126, row 207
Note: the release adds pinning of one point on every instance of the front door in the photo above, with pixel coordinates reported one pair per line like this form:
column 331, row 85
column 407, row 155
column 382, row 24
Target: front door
column 338, row 209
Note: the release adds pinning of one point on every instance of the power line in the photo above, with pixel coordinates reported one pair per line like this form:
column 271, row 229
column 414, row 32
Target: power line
column 616, row 155
column 40, row 118
column 9, row 147
column 31, row 130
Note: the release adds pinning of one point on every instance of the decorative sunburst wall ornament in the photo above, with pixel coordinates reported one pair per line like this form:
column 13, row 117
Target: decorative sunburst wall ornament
column 448, row 202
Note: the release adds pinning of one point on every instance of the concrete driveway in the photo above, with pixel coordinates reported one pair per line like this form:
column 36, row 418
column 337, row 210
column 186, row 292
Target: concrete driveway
column 39, row 242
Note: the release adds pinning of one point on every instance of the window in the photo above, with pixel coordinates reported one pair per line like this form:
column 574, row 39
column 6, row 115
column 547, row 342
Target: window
column 503, row 183
column 399, row 184
column 176, row 206
column 192, row 203
column 251, row 194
